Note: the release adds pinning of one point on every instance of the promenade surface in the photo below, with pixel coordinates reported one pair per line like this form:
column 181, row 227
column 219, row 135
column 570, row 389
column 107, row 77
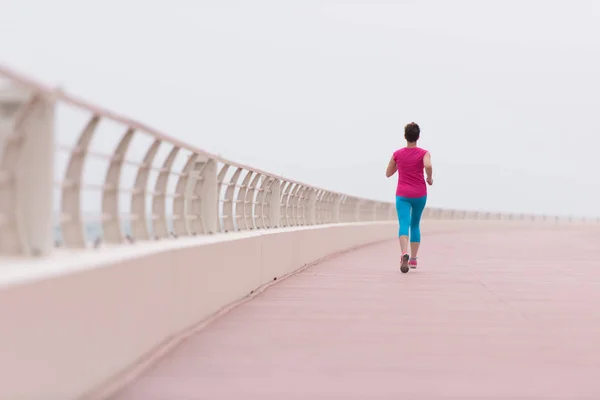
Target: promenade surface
column 494, row 311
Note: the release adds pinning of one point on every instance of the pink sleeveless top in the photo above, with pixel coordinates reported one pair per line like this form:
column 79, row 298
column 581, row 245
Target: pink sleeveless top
column 411, row 179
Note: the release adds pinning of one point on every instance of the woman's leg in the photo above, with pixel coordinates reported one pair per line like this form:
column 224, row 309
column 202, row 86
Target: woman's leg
column 418, row 205
column 403, row 209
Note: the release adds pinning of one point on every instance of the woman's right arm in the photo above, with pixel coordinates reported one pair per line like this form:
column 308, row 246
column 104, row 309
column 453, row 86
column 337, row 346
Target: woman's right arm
column 428, row 168
column 391, row 168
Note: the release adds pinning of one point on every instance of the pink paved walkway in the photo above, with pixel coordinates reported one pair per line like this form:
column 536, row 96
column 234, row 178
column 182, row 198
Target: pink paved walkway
column 490, row 314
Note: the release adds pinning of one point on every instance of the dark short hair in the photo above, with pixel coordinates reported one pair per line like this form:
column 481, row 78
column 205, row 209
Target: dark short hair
column 412, row 132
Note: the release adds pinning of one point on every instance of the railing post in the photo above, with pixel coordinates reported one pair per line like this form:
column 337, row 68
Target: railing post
column 319, row 203
column 30, row 140
column 203, row 185
column 312, row 207
column 275, row 208
column 110, row 194
column 139, row 224
column 345, row 209
column 295, row 206
column 336, row 212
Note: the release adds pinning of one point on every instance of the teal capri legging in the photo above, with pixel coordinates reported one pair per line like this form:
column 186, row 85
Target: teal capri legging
column 409, row 215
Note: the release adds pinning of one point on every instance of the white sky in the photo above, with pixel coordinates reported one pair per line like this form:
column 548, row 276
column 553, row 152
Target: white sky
column 507, row 93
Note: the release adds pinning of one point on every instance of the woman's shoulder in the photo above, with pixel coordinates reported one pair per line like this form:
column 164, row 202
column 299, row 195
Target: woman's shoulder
column 409, row 152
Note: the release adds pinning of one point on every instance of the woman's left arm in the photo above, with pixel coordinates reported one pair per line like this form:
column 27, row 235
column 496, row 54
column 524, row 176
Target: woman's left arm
column 391, row 168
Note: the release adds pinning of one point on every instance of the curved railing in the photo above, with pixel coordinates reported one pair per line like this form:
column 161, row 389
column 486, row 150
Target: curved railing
column 74, row 174
column 116, row 180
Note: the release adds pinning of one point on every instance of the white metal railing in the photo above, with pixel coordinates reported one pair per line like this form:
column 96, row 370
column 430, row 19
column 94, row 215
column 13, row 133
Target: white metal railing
column 113, row 186
column 72, row 174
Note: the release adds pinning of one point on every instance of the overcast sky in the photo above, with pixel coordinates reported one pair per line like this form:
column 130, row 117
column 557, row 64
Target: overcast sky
column 507, row 93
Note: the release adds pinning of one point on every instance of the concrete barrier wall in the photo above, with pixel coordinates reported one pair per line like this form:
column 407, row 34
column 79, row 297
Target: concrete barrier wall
column 72, row 332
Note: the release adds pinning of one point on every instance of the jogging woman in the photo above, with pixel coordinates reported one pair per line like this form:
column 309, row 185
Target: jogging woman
column 411, row 192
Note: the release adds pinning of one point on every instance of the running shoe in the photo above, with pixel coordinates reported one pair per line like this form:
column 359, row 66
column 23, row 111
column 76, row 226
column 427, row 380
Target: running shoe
column 412, row 263
column 404, row 263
